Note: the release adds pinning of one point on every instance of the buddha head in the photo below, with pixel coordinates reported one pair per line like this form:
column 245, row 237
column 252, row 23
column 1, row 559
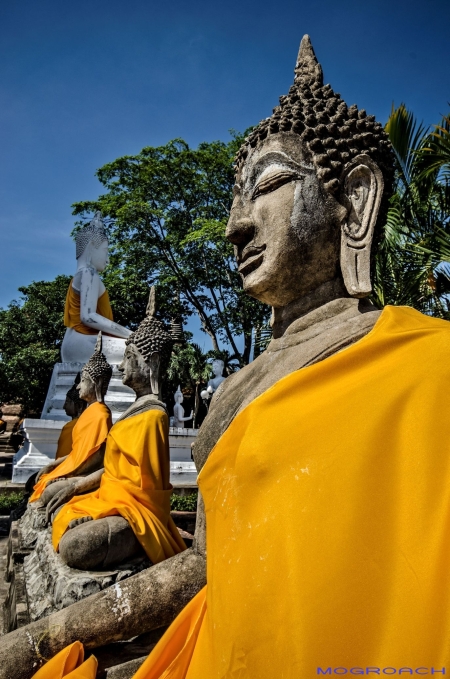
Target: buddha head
column 74, row 405
column 311, row 193
column 92, row 244
column 178, row 395
column 147, row 353
column 217, row 367
column 95, row 376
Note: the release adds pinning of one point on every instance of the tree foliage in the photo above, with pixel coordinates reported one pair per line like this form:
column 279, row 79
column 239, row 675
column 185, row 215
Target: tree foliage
column 167, row 209
column 31, row 332
column 412, row 262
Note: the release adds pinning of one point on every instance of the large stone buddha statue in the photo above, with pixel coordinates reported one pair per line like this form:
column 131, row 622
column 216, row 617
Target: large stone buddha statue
column 323, row 476
column 87, row 309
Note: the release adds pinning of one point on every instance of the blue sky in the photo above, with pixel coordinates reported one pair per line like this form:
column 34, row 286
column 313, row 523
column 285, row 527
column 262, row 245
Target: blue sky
column 82, row 83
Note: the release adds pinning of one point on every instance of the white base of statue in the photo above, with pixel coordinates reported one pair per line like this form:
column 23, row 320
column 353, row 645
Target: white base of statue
column 118, row 397
column 39, row 448
column 41, row 439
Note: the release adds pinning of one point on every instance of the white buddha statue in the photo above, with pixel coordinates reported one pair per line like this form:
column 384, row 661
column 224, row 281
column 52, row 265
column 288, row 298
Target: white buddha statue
column 178, row 411
column 214, row 383
column 87, row 307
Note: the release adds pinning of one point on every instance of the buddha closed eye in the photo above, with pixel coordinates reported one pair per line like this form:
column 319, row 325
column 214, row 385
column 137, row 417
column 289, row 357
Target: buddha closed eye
column 273, row 178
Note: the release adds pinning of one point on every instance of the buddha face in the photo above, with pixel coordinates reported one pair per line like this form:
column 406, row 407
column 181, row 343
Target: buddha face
column 284, row 226
column 217, row 368
column 135, row 371
column 99, row 255
column 86, row 387
column 69, row 407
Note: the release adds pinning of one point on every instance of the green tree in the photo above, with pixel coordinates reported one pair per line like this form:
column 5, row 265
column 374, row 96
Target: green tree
column 31, row 332
column 167, row 209
column 412, row 260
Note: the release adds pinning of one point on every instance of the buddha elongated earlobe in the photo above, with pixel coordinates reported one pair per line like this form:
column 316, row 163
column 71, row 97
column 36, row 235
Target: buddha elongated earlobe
column 362, row 191
column 154, row 363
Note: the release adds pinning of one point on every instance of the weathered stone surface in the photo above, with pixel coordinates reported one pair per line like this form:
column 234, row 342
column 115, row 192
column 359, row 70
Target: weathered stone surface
column 159, row 593
column 40, row 582
column 51, row 585
column 125, row 670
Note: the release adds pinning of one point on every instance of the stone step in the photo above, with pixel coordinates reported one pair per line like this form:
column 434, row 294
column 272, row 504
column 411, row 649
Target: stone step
column 126, row 670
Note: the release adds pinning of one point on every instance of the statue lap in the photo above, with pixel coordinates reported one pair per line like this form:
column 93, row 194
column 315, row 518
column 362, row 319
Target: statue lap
column 99, row 544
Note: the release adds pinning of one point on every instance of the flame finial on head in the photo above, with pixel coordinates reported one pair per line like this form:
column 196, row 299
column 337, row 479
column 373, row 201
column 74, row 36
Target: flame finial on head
column 151, row 335
column 308, row 71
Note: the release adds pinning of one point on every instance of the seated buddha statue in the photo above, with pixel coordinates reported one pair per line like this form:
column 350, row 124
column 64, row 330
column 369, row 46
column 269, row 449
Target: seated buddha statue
column 323, row 512
column 128, row 511
column 88, row 435
column 73, row 406
column 88, row 310
column 179, row 417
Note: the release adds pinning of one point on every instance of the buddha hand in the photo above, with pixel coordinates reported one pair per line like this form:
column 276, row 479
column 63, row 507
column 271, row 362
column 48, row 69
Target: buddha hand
column 60, row 499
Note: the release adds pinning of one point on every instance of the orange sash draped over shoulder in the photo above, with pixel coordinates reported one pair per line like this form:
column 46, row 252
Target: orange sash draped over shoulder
column 135, row 485
column 68, row 664
column 89, row 432
column 65, row 439
column 72, row 311
column 328, row 521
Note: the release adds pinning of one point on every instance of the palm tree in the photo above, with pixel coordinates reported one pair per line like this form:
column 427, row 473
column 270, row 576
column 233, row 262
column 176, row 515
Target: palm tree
column 412, row 261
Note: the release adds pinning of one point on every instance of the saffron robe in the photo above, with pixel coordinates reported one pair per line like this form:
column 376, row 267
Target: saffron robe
column 135, row 485
column 72, row 311
column 328, row 519
column 68, row 664
column 64, row 446
column 89, row 433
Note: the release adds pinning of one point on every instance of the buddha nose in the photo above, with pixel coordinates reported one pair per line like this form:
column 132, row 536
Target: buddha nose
column 239, row 230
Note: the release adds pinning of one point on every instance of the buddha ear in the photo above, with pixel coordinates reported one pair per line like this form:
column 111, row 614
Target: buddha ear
column 99, row 390
column 362, row 188
column 154, row 363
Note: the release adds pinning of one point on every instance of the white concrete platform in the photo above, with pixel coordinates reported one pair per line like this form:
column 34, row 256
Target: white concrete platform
column 41, row 439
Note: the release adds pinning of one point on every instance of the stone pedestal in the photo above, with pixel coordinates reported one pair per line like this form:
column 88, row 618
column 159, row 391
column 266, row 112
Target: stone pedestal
column 40, row 582
column 39, row 448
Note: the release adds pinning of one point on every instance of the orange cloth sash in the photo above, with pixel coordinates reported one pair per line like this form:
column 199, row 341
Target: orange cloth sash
column 72, row 311
column 68, row 664
column 328, row 520
column 89, row 432
column 135, row 485
column 65, row 439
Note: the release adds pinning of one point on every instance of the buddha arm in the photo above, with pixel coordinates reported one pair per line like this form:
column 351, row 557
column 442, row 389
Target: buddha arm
column 92, row 464
column 75, row 486
column 50, row 466
column 89, row 289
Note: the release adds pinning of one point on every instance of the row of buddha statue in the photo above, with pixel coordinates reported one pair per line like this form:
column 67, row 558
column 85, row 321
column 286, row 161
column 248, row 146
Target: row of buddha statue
column 115, row 476
column 107, row 493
